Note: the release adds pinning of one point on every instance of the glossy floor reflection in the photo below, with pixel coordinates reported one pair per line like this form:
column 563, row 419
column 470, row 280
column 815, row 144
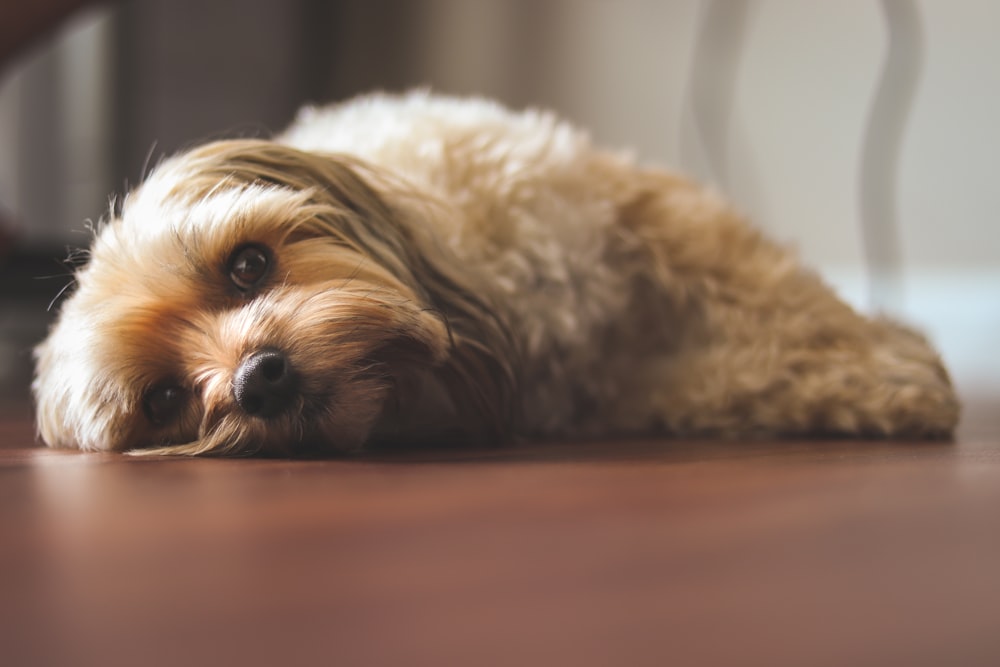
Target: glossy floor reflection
column 631, row 553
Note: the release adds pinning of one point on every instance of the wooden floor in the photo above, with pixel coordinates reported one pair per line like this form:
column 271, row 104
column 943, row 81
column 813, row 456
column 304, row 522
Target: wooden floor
column 639, row 553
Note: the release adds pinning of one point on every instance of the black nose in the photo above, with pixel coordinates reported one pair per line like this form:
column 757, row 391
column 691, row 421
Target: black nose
column 264, row 384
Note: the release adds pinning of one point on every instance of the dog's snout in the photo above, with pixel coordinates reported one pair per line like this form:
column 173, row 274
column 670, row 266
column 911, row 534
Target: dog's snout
column 264, row 384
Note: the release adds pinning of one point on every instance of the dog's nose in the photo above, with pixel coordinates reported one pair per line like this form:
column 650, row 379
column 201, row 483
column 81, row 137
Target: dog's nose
column 264, row 384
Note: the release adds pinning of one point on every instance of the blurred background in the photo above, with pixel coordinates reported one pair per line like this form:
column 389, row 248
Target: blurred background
column 861, row 134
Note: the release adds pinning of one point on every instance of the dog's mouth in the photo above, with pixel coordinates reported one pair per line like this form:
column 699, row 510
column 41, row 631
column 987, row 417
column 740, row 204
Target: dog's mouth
column 297, row 365
column 275, row 407
column 276, row 404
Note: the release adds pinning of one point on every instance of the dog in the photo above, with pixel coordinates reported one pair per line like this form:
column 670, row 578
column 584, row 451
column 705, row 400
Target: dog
column 415, row 268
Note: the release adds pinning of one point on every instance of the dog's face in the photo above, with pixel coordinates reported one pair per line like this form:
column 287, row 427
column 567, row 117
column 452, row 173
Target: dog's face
column 247, row 297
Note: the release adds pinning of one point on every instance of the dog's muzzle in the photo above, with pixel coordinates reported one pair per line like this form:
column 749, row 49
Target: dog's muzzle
column 264, row 384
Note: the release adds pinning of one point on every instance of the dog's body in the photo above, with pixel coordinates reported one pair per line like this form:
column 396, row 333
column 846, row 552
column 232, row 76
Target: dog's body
column 409, row 267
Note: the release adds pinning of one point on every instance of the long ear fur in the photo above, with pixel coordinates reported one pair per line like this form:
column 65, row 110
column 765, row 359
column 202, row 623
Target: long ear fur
column 383, row 218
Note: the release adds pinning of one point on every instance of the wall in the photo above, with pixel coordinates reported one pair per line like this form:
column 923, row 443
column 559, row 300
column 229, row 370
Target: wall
column 776, row 115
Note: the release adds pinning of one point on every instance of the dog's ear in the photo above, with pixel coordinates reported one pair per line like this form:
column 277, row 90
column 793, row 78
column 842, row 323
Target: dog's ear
column 385, row 219
column 349, row 201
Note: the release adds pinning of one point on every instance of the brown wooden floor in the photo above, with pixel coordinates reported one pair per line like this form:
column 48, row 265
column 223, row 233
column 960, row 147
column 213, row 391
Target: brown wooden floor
column 641, row 553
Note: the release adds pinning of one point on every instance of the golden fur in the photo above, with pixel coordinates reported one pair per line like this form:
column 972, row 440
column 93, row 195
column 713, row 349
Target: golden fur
column 443, row 267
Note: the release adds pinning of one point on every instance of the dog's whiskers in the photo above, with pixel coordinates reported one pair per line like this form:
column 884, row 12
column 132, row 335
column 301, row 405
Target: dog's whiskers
column 58, row 295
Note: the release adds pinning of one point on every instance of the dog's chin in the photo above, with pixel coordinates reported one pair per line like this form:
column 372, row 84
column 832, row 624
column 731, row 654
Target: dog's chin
column 337, row 421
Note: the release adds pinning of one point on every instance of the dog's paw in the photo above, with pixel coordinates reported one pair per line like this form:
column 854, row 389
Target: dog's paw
column 898, row 389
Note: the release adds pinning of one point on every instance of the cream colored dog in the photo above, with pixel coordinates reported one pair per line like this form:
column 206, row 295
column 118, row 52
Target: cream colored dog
column 419, row 267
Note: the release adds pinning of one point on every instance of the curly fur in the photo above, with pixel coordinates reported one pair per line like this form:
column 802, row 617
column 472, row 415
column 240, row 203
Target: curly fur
column 445, row 267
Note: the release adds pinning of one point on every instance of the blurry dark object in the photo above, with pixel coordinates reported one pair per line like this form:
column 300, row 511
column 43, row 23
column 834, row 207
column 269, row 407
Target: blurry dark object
column 6, row 235
column 23, row 22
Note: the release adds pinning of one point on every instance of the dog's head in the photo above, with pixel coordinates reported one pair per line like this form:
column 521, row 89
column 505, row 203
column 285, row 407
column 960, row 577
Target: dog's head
column 250, row 296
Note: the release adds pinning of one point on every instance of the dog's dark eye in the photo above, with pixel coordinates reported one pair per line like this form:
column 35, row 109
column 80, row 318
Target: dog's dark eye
column 248, row 265
column 164, row 404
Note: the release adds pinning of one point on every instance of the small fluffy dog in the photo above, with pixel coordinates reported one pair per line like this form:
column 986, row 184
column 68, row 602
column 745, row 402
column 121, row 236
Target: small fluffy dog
column 418, row 267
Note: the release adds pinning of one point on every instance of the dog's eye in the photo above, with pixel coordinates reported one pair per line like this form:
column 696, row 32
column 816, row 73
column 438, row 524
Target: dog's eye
column 248, row 265
column 164, row 404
